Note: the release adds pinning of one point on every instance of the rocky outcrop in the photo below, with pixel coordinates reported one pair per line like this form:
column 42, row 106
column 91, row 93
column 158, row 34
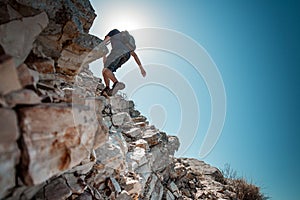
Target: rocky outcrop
column 60, row 139
column 55, row 33
column 48, row 124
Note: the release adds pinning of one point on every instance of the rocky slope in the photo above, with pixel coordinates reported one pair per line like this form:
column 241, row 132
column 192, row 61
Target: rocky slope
column 59, row 138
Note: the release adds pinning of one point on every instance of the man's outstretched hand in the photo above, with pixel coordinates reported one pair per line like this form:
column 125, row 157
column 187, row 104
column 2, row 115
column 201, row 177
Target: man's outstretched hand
column 138, row 62
column 143, row 72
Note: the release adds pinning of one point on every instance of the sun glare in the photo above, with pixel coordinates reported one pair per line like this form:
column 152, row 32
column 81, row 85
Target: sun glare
column 122, row 15
column 126, row 21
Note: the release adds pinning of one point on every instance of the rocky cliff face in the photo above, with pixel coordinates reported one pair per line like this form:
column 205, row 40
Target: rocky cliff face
column 59, row 138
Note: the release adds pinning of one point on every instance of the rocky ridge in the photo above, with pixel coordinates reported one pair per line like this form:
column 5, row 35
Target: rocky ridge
column 60, row 139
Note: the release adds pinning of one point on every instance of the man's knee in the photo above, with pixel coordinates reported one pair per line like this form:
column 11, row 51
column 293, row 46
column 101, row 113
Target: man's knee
column 105, row 71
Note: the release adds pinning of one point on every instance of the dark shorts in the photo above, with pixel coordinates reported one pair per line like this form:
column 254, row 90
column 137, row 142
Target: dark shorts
column 115, row 60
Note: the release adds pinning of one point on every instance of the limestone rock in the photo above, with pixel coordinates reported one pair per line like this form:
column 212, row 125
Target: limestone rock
column 139, row 119
column 82, row 50
column 178, row 171
column 107, row 121
column 110, row 159
column 199, row 167
column 84, row 167
column 27, row 76
column 18, row 42
column 101, row 136
column 119, row 104
column 150, row 186
column 152, row 137
column 75, row 184
column 173, row 144
column 67, row 140
column 9, row 152
column 141, row 125
column 111, row 156
column 173, row 187
column 9, row 128
column 132, row 186
column 169, row 196
column 57, row 190
column 137, row 158
column 160, row 158
column 8, row 75
column 66, row 20
column 134, row 132
column 24, row 96
column 26, row 192
column 134, row 113
column 64, row 39
column 115, row 186
column 97, row 103
column 79, row 145
column 118, row 139
column 142, row 144
column 120, row 118
column 158, row 191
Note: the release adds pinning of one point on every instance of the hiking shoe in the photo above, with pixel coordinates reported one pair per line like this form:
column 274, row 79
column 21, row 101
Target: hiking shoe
column 106, row 92
column 116, row 87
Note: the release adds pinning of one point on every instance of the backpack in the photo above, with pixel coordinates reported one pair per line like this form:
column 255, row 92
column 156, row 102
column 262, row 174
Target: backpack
column 128, row 40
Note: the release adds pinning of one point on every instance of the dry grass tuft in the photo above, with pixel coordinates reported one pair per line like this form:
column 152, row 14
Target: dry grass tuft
column 242, row 189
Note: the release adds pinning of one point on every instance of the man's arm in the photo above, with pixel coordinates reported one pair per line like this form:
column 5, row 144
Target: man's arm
column 106, row 42
column 137, row 60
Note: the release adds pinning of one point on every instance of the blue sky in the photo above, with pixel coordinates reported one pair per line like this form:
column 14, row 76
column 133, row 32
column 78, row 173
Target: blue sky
column 256, row 47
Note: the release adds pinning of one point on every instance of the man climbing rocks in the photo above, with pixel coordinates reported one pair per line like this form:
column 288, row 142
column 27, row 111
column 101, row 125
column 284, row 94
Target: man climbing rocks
column 123, row 47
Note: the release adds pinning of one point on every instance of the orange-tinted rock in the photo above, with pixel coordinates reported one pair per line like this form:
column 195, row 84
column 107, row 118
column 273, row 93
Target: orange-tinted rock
column 56, row 137
column 45, row 65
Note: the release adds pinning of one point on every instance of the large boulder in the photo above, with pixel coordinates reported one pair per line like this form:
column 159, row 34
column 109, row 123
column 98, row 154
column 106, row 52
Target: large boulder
column 55, row 138
column 17, row 36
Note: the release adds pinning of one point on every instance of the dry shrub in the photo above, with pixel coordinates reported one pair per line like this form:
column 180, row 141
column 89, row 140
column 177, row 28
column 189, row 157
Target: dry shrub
column 246, row 191
column 243, row 189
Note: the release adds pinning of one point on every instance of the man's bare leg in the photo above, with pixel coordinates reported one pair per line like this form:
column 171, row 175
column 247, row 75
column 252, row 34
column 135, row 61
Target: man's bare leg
column 108, row 75
column 106, row 79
